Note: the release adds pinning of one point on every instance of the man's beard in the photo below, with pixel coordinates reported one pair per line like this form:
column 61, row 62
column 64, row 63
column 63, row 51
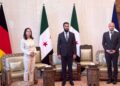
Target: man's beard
column 66, row 30
column 111, row 29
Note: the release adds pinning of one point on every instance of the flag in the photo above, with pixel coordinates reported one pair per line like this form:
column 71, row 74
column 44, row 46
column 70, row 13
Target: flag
column 115, row 18
column 45, row 38
column 5, row 47
column 75, row 29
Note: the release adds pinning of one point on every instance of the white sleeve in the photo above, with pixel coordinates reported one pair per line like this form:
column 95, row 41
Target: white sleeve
column 22, row 46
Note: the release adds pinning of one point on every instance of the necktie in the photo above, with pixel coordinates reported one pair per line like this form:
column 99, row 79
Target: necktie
column 111, row 33
column 66, row 37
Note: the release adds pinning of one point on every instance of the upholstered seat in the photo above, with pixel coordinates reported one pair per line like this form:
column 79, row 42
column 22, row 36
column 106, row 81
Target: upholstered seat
column 86, row 63
column 14, row 67
column 100, row 59
column 105, row 68
column 40, row 65
column 17, row 74
column 56, row 63
column 86, row 55
column 102, row 68
column 59, row 67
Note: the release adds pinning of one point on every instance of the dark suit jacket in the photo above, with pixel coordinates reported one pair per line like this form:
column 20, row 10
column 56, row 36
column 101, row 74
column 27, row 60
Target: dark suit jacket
column 66, row 47
column 113, row 43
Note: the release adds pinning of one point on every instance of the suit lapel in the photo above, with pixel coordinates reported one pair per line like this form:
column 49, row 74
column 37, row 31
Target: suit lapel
column 69, row 37
column 108, row 36
column 64, row 36
column 112, row 37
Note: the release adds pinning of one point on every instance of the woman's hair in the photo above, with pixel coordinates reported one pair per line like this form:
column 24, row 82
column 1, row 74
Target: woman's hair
column 25, row 36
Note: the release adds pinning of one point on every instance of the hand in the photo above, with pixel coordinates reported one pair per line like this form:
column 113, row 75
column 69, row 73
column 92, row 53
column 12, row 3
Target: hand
column 113, row 51
column 32, row 54
column 74, row 56
column 108, row 51
column 59, row 56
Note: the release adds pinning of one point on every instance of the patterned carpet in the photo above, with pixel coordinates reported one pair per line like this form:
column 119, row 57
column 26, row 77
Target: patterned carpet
column 83, row 82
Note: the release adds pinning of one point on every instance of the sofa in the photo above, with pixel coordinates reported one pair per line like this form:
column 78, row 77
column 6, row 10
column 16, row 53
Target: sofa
column 101, row 62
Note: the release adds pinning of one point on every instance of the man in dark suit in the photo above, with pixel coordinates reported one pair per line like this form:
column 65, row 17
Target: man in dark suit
column 66, row 50
column 111, row 45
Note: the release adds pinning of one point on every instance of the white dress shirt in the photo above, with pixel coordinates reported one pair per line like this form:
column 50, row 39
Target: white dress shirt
column 66, row 35
column 110, row 34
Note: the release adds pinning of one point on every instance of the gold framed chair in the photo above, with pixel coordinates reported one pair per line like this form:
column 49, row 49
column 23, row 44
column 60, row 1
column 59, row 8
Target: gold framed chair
column 86, row 55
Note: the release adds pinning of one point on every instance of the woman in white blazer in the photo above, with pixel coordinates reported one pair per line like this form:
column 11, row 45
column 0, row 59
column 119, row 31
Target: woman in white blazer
column 29, row 50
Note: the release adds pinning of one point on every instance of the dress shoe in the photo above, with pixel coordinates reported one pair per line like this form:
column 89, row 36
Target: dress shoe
column 115, row 81
column 71, row 83
column 109, row 81
column 63, row 83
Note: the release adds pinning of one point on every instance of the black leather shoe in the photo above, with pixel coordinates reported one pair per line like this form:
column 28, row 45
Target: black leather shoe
column 109, row 81
column 115, row 81
column 71, row 83
column 63, row 83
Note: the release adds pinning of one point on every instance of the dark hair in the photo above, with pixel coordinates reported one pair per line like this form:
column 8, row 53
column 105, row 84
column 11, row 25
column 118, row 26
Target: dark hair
column 25, row 36
column 65, row 23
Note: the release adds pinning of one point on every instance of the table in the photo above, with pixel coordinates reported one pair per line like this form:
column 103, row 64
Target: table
column 48, row 76
column 0, row 79
column 93, row 75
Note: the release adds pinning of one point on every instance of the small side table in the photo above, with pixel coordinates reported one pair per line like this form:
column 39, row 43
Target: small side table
column 93, row 75
column 48, row 76
column 0, row 79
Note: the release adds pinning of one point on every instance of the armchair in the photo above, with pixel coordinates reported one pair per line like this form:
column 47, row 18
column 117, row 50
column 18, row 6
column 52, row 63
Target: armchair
column 13, row 68
column 86, row 55
column 100, row 59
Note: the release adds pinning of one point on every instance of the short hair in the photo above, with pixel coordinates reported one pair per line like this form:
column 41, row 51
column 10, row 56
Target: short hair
column 112, row 23
column 25, row 36
column 65, row 23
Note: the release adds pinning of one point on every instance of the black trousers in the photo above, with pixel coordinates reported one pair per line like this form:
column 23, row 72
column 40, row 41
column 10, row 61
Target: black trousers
column 112, row 60
column 67, row 62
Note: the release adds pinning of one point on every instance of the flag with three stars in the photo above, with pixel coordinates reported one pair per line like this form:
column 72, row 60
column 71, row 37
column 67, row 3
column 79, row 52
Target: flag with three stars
column 45, row 38
column 75, row 29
